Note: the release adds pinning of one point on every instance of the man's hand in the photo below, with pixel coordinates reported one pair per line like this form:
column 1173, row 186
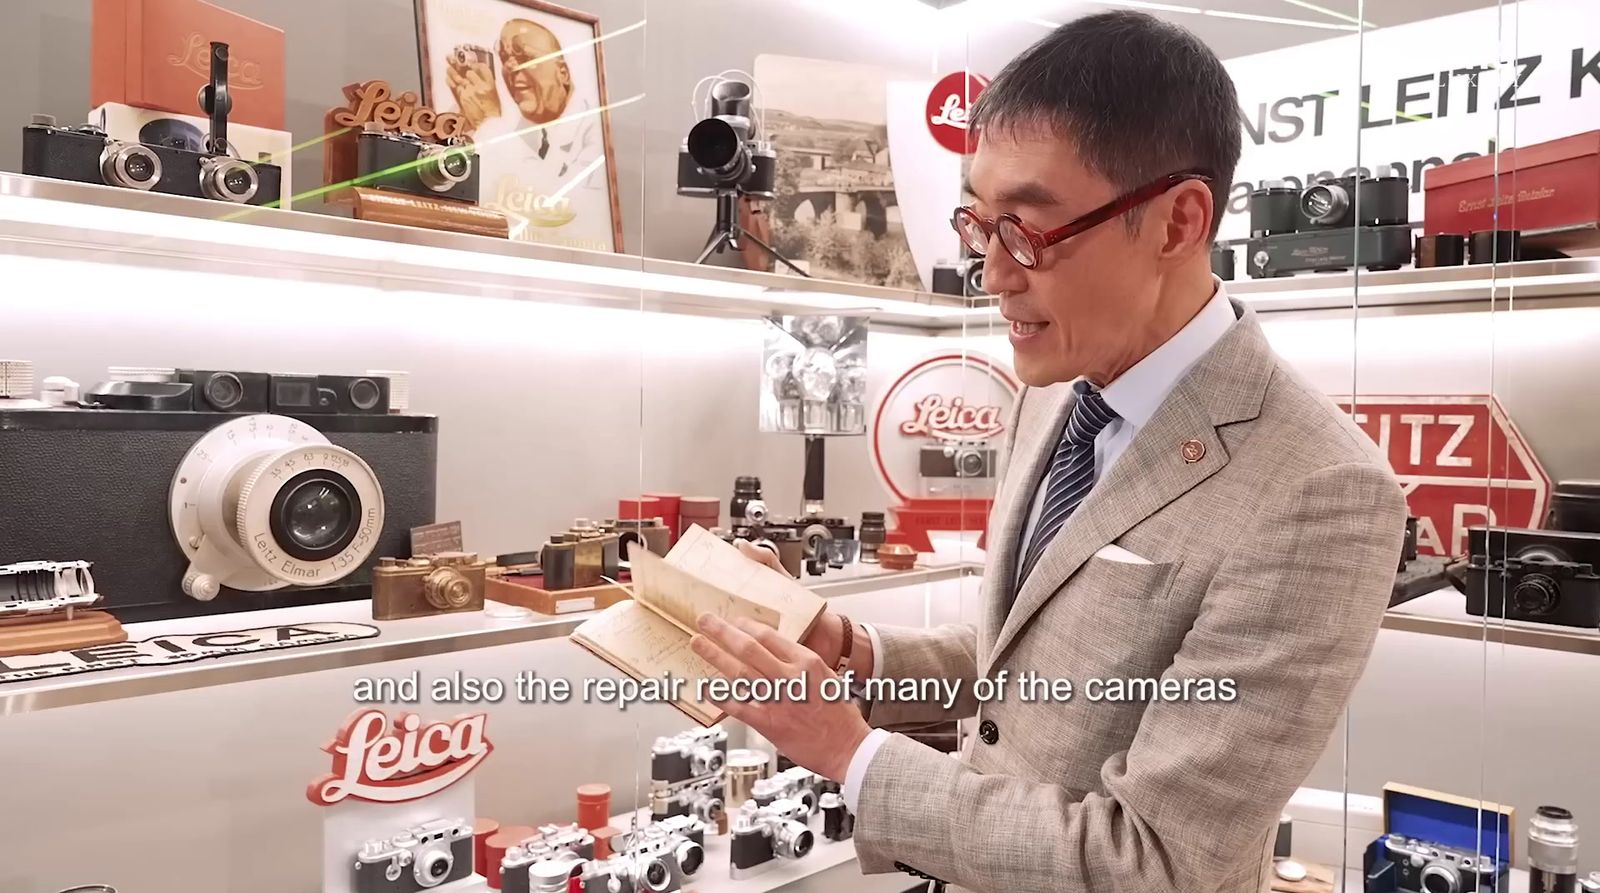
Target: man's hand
column 817, row 734
column 472, row 83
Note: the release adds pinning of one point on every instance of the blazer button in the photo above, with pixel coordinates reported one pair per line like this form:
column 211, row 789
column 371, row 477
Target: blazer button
column 988, row 732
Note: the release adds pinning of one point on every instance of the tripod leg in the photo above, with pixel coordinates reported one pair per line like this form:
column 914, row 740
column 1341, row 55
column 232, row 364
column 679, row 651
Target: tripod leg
column 773, row 252
column 714, row 246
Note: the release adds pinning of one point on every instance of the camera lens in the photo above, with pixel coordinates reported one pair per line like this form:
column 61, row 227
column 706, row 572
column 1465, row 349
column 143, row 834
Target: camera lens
column 1536, row 594
column 802, row 843
column 224, row 391
column 1324, row 203
column 690, row 857
column 433, row 868
column 443, row 168
column 314, row 514
column 365, row 393
column 129, row 165
column 657, row 876
column 719, row 151
column 969, row 463
column 228, row 179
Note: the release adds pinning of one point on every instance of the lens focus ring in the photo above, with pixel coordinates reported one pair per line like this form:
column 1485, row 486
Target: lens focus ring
column 130, row 165
column 228, row 179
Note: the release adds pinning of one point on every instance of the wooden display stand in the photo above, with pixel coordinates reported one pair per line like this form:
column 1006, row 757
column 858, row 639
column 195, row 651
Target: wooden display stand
column 381, row 206
column 523, row 590
column 59, row 632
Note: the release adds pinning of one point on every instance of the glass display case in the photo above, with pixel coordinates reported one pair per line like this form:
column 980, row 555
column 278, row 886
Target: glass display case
column 309, row 299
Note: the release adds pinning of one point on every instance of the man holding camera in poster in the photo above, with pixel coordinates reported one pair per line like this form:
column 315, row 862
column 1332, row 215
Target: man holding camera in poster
column 1187, row 532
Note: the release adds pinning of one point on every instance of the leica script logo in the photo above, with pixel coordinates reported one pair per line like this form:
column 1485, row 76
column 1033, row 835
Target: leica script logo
column 195, row 55
column 948, row 105
column 954, row 420
column 391, row 762
column 373, row 102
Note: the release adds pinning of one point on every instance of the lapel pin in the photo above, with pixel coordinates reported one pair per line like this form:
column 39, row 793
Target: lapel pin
column 1193, row 451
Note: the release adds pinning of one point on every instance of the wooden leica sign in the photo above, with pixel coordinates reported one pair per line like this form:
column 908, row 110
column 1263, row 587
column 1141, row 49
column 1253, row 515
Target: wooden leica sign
column 1461, row 462
column 392, row 761
column 935, row 434
column 375, row 102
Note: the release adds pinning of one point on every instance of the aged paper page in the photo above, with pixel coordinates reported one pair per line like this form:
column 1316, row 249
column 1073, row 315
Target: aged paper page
column 702, row 554
column 643, row 644
column 681, row 597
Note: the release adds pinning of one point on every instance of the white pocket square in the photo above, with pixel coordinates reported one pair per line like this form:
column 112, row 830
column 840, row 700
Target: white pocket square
column 1117, row 553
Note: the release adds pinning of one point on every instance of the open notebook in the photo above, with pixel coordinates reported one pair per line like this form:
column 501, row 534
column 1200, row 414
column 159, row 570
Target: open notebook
column 648, row 637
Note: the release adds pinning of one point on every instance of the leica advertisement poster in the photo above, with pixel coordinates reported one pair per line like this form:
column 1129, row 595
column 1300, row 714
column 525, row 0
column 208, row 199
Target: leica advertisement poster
column 529, row 77
column 836, row 215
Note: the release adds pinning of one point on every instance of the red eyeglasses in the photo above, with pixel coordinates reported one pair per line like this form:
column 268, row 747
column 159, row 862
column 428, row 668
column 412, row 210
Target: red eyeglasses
column 1025, row 244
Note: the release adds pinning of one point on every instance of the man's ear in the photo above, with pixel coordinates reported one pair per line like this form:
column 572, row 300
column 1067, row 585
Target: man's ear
column 1188, row 218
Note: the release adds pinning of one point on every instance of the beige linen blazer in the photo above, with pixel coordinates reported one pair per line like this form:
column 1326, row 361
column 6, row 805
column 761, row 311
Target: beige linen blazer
column 1273, row 527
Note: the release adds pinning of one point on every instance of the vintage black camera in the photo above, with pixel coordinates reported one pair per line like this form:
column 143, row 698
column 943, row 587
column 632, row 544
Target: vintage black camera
column 761, row 834
column 86, row 154
column 747, row 508
column 957, row 460
column 430, row 855
column 963, row 278
column 404, row 162
column 186, row 511
column 686, row 774
column 723, row 152
column 837, row 822
column 205, row 390
column 1541, row 576
column 1423, row 867
column 1317, row 228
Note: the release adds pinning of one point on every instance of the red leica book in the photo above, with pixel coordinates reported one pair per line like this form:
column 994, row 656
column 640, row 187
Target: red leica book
column 1543, row 186
column 155, row 54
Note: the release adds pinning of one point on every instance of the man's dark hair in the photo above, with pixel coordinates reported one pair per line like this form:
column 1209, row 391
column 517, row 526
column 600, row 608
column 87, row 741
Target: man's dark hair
column 1138, row 98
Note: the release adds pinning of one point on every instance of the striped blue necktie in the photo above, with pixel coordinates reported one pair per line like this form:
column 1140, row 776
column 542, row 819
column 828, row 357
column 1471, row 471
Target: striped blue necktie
column 1071, row 471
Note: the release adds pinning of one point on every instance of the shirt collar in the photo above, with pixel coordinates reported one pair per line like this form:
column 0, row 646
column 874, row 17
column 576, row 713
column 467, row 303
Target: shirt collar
column 1137, row 393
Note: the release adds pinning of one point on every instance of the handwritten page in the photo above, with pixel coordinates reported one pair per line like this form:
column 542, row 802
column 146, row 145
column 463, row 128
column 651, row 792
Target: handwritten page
column 703, row 555
column 643, row 644
column 648, row 636
column 680, row 597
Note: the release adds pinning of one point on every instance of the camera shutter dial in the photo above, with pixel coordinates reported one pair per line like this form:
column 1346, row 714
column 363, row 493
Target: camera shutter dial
column 264, row 501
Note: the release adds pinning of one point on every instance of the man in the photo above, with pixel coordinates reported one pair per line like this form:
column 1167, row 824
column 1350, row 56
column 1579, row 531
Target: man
column 1177, row 505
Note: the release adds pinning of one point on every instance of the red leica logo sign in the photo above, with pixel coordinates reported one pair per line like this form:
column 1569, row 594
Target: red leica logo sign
column 1461, row 462
column 948, row 105
column 392, row 762
column 954, row 420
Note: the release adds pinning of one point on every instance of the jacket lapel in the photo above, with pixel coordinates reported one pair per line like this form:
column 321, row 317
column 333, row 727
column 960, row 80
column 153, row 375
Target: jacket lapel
column 1226, row 386
column 1037, row 428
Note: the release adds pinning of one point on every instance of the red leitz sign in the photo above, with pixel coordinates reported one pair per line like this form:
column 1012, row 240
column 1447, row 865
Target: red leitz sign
column 948, row 103
column 387, row 761
column 1461, row 463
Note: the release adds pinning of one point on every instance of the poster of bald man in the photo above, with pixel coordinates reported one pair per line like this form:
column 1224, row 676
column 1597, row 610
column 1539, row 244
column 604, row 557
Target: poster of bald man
column 529, row 76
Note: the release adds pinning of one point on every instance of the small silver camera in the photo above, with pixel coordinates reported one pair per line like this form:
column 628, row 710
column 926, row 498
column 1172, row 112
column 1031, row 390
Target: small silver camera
column 958, row 460
column 1423, row 867
column 655, row 861
column 546, row 861
column 420, row 858
column 761, row 834
column 796, row 783
column 686, row 774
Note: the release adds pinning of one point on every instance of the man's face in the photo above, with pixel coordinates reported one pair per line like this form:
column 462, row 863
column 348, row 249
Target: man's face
column 1081, row 311
column 541, row 89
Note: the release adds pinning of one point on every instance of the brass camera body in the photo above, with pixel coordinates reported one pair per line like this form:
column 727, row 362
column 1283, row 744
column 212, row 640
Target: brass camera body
column 444, row 583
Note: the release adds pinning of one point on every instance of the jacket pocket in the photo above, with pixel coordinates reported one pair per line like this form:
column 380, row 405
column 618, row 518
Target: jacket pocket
column 1122, row 579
